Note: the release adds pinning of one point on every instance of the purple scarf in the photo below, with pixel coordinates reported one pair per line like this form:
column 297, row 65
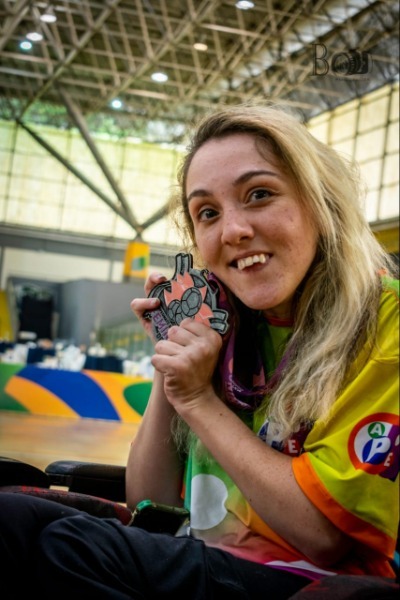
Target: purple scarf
column 235, row 392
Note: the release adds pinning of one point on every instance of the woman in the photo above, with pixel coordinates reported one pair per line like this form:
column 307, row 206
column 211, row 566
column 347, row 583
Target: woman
column 279, row 436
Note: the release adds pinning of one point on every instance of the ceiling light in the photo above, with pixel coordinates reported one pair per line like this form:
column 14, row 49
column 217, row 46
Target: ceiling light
column 34, row 36
column 200, row 46
column 48, row 16
column 25, row 45
column 244, row 4
column 116, row 103
column 159, row 77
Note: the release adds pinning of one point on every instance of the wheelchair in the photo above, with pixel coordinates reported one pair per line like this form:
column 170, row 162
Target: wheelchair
column 99, row 490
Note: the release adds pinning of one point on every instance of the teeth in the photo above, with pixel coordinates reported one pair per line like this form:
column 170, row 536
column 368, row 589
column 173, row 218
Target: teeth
column 242, row 263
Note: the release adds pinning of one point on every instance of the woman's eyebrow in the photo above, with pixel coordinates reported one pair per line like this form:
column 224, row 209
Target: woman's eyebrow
column 241, row 179
column 199, row 193
column 249, row 174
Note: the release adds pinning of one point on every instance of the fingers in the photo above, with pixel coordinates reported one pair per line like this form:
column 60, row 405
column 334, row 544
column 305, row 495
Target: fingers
column 189, row 327
column 188, row 333
column 140, row 305
column 152, row 280
column 187, row 360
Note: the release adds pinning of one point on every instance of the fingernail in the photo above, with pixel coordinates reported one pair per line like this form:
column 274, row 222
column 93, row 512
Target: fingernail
column 158, row 276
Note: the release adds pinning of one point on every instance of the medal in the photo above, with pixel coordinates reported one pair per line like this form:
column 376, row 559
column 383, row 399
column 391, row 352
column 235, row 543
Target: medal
column 188, row 294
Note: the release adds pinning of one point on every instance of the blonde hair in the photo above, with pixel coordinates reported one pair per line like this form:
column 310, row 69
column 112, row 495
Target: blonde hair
column 337, row 303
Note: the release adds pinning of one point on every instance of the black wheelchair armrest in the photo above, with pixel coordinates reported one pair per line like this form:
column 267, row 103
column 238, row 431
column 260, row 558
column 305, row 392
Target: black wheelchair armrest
column 15, row 472
column 96, row 479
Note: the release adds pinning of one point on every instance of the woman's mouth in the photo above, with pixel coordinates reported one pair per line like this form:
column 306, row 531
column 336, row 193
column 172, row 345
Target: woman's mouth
column 248, row 261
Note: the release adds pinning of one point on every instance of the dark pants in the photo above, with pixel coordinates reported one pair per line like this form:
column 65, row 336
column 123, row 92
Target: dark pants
column 58, row 552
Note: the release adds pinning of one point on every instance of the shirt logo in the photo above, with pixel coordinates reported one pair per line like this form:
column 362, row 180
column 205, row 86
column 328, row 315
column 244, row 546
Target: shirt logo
column 374, row 445
column 272, row 435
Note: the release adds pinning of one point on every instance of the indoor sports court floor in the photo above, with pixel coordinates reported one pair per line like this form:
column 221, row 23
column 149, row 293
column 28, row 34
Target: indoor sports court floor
column 40, row 440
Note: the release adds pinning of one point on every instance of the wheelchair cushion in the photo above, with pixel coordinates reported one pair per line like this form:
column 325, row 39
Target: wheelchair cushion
column 98, row 507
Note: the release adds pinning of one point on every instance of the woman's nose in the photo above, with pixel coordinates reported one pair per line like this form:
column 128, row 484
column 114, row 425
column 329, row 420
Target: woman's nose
column 235, row 227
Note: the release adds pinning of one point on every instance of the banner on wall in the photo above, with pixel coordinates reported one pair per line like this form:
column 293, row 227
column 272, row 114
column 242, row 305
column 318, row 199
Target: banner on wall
column 137, row 260
column 76, row 394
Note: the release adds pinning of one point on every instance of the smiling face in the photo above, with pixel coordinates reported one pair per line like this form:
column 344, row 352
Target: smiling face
column 249, row 227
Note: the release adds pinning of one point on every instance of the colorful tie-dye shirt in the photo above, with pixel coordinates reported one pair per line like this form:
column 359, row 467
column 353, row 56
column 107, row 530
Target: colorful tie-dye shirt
column 348, row 468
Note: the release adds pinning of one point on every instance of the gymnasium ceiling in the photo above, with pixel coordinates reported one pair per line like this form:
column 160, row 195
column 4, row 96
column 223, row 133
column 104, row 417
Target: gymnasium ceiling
column 96, row 52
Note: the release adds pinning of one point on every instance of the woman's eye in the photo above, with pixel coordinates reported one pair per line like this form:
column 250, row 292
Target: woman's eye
column 260, row 194
column 206, row 214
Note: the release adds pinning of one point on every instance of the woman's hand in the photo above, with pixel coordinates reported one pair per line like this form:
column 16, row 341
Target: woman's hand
column 140, row 306
column 187, row 359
